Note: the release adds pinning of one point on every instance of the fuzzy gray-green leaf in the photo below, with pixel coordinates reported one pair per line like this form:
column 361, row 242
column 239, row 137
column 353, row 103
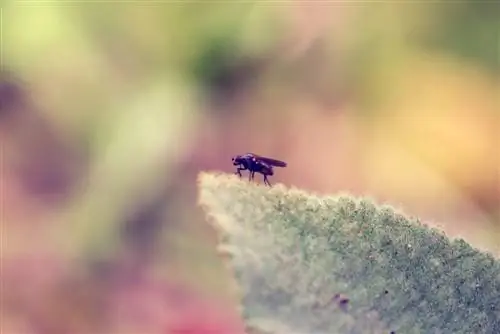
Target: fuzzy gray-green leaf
column 294, row 253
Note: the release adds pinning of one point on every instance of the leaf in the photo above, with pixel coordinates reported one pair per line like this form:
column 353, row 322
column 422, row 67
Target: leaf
column 297, row 256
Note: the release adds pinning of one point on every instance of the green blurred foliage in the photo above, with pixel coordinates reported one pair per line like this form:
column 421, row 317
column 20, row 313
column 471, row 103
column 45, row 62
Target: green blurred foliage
column 469, row 29
column 387, row 36
column 292, row 252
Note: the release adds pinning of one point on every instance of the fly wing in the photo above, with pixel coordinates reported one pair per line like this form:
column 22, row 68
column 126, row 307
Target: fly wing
column 249, row 156
column 272, row 162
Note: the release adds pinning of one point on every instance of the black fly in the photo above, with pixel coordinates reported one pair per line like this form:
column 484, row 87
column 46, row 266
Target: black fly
column 256, row 164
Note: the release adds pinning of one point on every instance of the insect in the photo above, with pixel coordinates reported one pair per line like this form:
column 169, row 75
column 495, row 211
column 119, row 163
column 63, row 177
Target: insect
column 256, row 164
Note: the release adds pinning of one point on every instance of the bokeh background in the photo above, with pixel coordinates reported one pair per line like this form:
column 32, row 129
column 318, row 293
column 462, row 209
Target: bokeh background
column 110, row 109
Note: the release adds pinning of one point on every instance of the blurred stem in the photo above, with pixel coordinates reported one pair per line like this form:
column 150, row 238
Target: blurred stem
column 135, row 153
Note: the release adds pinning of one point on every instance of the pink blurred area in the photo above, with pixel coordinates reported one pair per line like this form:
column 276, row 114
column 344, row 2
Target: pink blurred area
column 45, row 295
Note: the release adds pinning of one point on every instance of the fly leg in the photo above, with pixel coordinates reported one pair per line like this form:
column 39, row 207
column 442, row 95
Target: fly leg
column 251, row 175
column 238, row 171
column 266, row 181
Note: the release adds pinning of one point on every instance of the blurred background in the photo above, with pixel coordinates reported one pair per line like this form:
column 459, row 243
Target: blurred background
column 110, row 110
